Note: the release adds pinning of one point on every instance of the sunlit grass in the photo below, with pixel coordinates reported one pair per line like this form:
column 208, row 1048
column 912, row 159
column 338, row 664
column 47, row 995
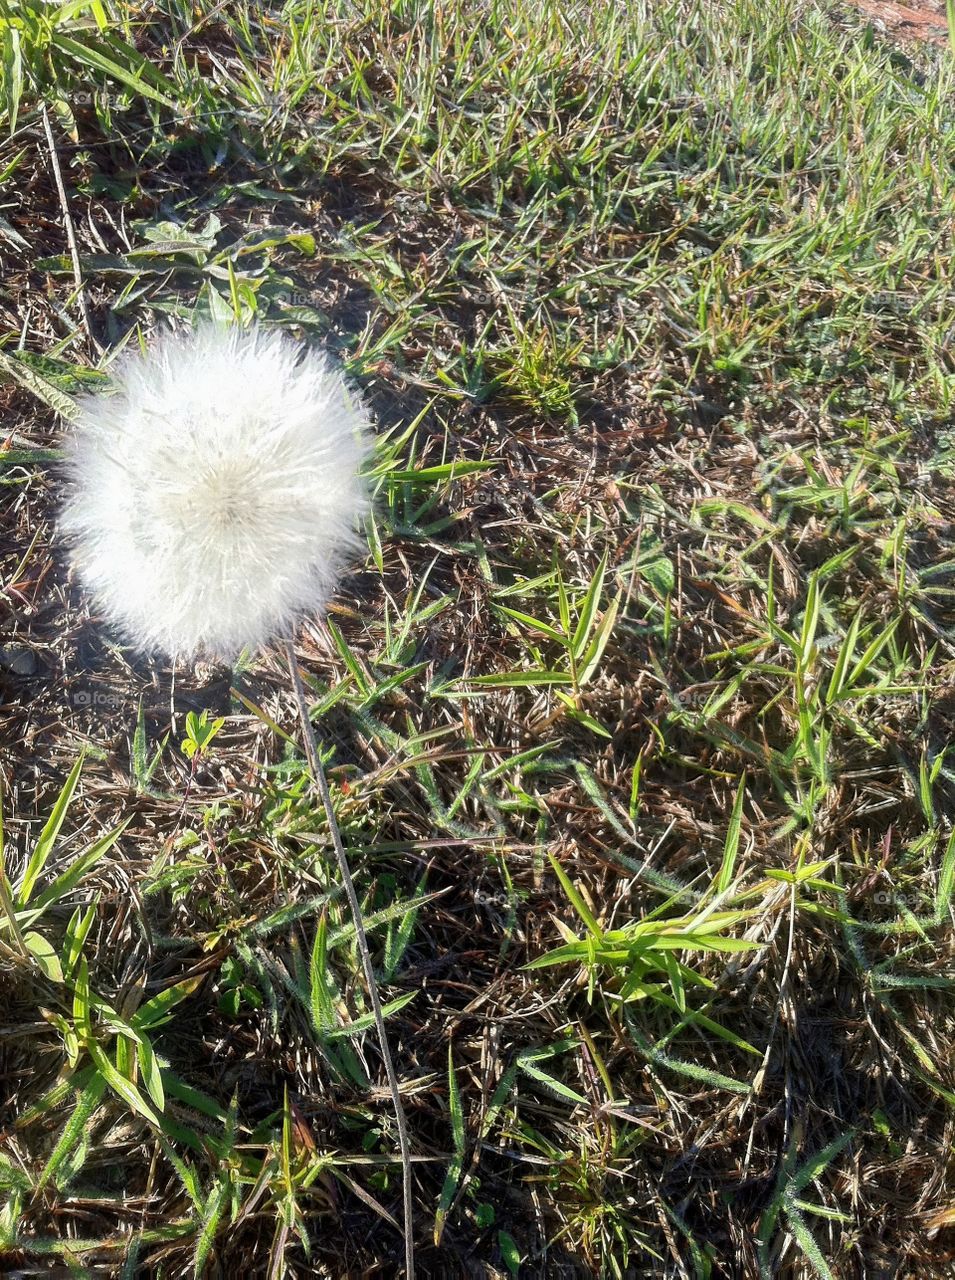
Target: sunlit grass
column 638, row 711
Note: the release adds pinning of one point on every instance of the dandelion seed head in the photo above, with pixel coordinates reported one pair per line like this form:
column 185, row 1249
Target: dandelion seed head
column 213, row 496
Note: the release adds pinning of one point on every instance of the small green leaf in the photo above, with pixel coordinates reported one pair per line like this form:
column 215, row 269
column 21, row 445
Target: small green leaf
column 120, row 1085
column 70, row 878
column 946, row 878
column 321, row 990
column 576, row 899
column 731, row 847
column 86, row 1103
column 122, row 62
column 453, row 1175
column 535, row 624
column 588, row 609
column 155, row 1011
column 521, row 679
column 150, row 1072
column 484, row 1216
column 47, row 838
column 45, row 956
column 38, row 386
column 594, row 652
column 446, row 471
column 359, row 1025
column 554, row 1086
column 510, row 1253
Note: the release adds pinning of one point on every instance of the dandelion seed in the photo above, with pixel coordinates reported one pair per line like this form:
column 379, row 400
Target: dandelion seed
column 214, row 495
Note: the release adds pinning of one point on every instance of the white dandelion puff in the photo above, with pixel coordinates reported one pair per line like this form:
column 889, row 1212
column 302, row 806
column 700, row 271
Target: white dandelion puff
column 212, row 501
column 214, row 495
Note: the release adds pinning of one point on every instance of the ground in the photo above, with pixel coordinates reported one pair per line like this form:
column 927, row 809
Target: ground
column 637, row 713
column 925, row 20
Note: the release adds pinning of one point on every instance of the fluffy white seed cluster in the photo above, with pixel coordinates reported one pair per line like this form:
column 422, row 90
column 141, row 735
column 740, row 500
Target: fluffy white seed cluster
column 214, row 495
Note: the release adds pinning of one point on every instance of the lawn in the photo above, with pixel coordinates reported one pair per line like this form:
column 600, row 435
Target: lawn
column 637, row 713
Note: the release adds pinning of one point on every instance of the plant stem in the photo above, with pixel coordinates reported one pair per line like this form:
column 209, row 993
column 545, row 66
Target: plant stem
column 318, row 774
column 70, row 232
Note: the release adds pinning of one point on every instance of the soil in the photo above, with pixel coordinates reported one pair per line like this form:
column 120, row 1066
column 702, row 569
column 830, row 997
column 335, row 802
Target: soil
column 918, row 20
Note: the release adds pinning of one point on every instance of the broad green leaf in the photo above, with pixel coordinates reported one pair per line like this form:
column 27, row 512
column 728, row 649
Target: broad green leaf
column 810, row 621
column 397, row 939
column 6, row 894
column 149, row 1069
column 581, row 717
column 872, row 651
column 815, row 1165
column 846, row 653
column 395, row 911
column 946, row 878
column 807, row 1242
column 12, row 63
column 211, row 1217
column 76, row 931
column 715, row 1079
column 81, row 1000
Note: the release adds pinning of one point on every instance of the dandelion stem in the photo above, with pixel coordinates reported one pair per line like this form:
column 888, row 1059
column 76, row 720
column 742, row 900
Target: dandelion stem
column 70, row 231
column 318, row 774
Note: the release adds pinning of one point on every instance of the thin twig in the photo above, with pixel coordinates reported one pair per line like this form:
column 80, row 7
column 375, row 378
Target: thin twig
column 318, row 773
column 70, row 232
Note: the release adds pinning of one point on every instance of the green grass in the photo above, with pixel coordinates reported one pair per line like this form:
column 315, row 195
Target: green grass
column 638, row 714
